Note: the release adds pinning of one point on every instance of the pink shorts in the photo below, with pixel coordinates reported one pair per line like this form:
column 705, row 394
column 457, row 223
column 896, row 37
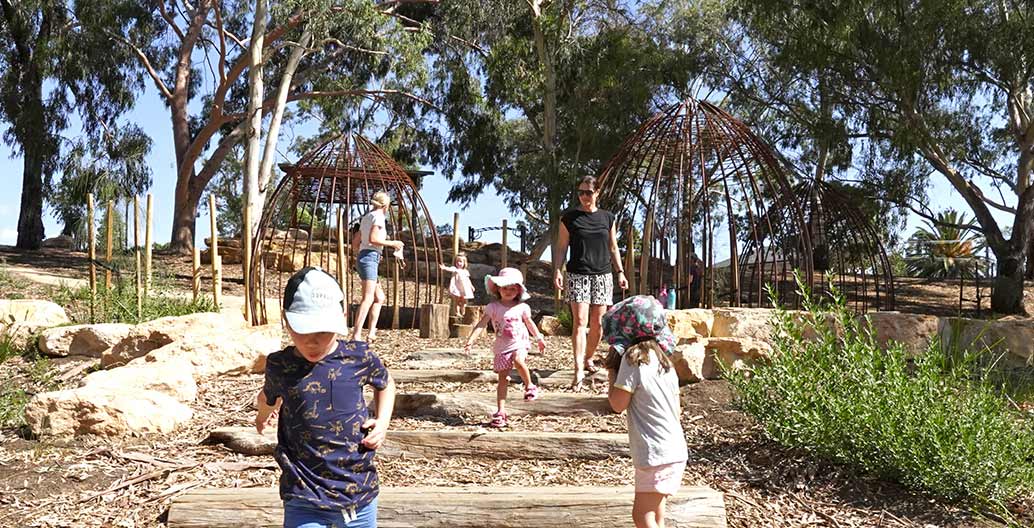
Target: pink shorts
column 504, row 362
column 664, row 479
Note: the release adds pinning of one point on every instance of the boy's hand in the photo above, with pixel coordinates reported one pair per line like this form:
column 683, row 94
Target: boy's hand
column 260, row 424
column 376, row 435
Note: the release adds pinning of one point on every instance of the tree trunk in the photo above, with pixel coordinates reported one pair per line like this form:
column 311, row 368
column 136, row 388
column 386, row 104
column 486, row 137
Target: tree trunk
column 1007, row 292
column 256, row 94
column 30, row 217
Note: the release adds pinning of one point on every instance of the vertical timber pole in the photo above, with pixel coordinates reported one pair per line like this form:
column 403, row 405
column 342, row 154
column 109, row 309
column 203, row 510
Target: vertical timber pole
column 148, row 243
column 136, row 257
column 92, row 253
column 109, row 222
column 505, row 249
column 196, row 275
column 246, row 261
column 630, row 259
column 217, row 294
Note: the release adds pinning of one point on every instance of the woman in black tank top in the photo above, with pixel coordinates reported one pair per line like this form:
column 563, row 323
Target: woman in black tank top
column 591, row 235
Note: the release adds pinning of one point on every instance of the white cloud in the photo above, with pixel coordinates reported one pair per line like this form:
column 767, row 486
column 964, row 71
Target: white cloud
column 8, row 236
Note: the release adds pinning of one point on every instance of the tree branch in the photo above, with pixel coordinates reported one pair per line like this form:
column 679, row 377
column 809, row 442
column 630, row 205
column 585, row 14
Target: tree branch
column 146, row 63
column 169, row 19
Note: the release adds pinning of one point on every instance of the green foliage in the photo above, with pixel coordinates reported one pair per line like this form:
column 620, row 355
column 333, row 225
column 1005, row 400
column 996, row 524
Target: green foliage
column 34, row 374
column 564, row 317
column 118, row 304
column 944, row 250
column 939, row 424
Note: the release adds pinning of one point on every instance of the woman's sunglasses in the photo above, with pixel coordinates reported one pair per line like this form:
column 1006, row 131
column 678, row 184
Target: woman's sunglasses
column 586, row 192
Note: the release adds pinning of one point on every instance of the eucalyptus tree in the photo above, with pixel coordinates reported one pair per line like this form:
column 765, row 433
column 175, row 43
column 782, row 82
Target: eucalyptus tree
column 56, row 61
column 920, row 89
column 535, row 94
column 200, row 52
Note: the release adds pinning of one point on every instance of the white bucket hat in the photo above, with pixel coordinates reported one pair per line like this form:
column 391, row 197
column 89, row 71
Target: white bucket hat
column 506, row 277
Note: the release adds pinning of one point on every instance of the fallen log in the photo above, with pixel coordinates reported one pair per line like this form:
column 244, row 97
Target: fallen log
column 474, row 507
column 438, row 444
column 544, row 378
column 459, row 404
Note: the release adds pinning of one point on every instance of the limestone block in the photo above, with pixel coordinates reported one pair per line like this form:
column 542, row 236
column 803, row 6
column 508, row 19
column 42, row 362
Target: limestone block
column 230, row 255
column 754, row 323
column 21, row 319
column 104, row 412
column 231, row 351
column 689, row 362
column 82, row 340
column 174, row 378
column 694, row 321
column 550, row 326
column 1014, row 338
column 59, row 242
column 914, row 331
column 155, row 334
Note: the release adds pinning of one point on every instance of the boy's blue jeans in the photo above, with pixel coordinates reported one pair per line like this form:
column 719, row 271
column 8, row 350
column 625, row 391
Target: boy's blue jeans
column 302, row 514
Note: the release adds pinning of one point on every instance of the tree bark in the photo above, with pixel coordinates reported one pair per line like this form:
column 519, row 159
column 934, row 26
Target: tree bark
column 471, row 507
column 253, row 129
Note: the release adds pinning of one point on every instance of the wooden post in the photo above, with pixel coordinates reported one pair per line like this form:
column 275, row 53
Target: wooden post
column 647, row 250
column 503, row 258
column 246, row 261
column 341, row 256
column 395, row 294
column 213, row 246
column 136, row 256
column 109, row 222
column 148, row 243
column 455, row 235
column 434, row 321
column 92, row 253
column 196, row 275
column 630, row 257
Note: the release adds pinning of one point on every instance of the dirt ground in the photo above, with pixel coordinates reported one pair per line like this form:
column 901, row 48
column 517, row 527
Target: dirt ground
column 129, row 482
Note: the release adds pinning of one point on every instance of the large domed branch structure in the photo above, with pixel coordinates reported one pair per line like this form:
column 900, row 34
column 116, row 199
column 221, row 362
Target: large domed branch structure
column 689, row 174
column 307, row 224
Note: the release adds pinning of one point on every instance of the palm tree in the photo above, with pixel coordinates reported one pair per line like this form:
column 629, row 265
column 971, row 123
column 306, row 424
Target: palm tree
column 946, row 248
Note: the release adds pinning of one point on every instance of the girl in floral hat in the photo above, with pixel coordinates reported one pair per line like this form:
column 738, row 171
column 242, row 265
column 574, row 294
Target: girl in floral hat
column 514, row 329
column 644, row 382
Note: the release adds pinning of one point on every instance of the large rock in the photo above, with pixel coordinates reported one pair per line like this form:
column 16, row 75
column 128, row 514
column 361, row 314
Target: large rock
column 913, row 331
column 754, row 323
column 689, row 360
column 551, row 326
column 104, row 412
column 59, row 242
column 152, row 335
column 733, row 353
column 478, row 273
column 21, row 319
column 230, row 255
column 1013, row 339
column 82, row 340
column 690, row 323
column 173, row 378
column 240, row 351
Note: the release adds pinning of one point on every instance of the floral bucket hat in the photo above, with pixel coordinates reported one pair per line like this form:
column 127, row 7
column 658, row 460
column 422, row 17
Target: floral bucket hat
column 637, row 319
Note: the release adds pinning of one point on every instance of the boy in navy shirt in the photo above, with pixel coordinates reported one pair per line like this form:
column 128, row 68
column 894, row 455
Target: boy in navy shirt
column 325, row 436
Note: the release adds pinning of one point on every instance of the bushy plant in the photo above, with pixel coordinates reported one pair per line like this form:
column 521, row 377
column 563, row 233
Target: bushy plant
column 565, row 318
column 118, row 303
column 939, row 424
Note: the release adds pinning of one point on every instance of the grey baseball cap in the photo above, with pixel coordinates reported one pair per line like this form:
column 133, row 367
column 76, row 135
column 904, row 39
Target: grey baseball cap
column 313, row 302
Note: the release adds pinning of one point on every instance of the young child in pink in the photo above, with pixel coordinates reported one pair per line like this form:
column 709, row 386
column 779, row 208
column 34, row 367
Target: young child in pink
column 511, row 319
column 460, row 287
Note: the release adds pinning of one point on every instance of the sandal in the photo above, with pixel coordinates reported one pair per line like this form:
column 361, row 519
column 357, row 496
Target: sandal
column 579, row 382
column 498, row 420
column 531, row 393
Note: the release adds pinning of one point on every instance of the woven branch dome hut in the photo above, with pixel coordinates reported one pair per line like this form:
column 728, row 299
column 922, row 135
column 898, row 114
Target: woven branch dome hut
column 307, row 224
column 693, row 180
column 848, row 251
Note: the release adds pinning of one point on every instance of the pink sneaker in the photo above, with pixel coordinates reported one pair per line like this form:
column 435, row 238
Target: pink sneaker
column 531, row 393
column 498, row 420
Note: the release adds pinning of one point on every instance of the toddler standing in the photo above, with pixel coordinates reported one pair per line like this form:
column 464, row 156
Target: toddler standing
column 511, row 320
column 460, row 287
column 644, row 382
column 326, row 437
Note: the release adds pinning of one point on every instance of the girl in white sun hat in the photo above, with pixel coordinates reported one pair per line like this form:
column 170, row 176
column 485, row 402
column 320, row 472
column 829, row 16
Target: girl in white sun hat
column 514, row 329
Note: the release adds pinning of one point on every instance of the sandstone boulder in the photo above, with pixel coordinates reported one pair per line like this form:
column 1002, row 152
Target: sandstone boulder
column 104, row 412
column 689, row 362
column 173, row 378
column 155, row 334
column 754, row 323
column 231, row 351
column 550, row 326
column 691, row 322
column 478, row 273
column 1014, row 338
column 82, row 340
column 230, row 255
column 59, row 242
column 21, row 319
column 913, row 331
column 733, row 353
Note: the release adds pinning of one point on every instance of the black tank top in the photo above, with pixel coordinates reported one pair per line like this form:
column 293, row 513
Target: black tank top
column 589, row 241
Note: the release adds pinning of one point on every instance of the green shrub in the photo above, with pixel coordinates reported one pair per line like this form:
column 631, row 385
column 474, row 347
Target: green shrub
column 939, row 424
column 564, row 317
column 118, row 304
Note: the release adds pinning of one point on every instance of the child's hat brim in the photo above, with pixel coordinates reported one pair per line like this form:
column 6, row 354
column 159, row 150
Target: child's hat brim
column 494, row 282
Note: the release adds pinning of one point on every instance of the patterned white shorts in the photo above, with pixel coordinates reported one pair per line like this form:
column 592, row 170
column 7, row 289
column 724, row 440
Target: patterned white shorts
column 589, row 289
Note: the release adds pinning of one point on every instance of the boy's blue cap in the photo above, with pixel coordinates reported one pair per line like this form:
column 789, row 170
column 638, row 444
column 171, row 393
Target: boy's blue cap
column 313, row 302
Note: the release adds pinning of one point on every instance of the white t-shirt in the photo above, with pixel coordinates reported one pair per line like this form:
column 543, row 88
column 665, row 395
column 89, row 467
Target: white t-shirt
column 373, row 218
column 655, row 434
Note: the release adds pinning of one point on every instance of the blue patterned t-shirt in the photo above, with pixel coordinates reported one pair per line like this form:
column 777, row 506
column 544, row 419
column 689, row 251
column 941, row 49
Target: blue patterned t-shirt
column 319, row 434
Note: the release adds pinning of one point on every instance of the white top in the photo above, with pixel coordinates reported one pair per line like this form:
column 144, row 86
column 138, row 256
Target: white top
column 373, row 218
column 655, row 434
